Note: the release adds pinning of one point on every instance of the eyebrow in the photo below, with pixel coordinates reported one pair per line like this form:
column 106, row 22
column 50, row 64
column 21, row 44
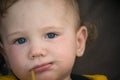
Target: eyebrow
column 51, row 27
column 14, row 33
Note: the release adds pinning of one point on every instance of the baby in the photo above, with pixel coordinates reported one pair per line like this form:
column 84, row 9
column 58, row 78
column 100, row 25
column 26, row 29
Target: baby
column 43, row 36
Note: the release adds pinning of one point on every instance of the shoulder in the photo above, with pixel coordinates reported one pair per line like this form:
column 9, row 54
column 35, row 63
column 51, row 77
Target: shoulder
column 96, row 77
column 88, row 77
column 7, row 77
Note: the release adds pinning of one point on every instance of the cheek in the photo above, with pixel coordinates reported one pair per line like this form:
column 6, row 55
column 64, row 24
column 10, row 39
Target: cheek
column 13, row 52
column 65, row 53
column 65, row 47
column 14, row 55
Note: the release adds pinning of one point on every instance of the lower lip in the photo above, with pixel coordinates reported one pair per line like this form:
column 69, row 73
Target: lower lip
column 43, row 68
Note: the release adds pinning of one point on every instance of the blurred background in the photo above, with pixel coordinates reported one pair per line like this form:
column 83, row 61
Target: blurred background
column 103, row 55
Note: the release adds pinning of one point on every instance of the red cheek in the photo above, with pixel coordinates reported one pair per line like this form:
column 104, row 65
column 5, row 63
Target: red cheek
column 13, row 51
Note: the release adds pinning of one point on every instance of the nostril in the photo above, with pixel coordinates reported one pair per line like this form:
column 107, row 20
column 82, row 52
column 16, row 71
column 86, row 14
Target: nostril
column 36, row 50
column 37, row 53
column 32, row 57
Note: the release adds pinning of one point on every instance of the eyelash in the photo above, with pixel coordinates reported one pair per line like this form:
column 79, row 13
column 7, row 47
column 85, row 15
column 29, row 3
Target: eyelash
column 20, row 41
column 51, row 35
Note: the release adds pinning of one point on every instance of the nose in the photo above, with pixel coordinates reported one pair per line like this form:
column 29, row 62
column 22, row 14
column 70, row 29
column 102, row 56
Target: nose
column 37, row 52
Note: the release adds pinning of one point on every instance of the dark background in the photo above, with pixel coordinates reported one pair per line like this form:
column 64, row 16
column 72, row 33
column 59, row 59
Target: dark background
column 103, row 55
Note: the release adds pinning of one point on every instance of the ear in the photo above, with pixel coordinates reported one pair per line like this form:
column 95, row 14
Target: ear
column 81, row 40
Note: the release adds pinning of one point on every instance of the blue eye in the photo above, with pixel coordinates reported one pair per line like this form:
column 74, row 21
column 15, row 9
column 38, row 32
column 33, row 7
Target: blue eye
column 51, row 35
column 20, row 41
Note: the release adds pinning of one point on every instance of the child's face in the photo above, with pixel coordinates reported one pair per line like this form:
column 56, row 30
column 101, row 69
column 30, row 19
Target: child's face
column 40, row 35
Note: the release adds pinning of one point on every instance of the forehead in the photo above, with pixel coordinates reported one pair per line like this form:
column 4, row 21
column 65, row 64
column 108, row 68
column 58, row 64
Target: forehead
column 28, row 11
column 43, row 5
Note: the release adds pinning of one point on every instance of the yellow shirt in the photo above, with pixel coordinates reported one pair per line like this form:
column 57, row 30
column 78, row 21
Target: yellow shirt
column 91, row 77
column 96, row 77
column 7, row 77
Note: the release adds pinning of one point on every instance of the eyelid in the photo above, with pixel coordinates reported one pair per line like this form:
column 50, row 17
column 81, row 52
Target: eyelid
column 11, row 38
column 56, row 35
column 15, row 41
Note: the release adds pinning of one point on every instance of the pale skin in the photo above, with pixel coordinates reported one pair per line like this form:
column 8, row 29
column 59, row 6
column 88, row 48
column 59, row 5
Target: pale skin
column 36, row 33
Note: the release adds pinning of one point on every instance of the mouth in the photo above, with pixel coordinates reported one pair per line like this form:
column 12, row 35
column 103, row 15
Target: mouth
column 42, row 67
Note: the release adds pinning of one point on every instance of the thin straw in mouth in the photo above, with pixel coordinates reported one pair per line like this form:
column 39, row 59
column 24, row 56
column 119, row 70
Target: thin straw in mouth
column 33, row 75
